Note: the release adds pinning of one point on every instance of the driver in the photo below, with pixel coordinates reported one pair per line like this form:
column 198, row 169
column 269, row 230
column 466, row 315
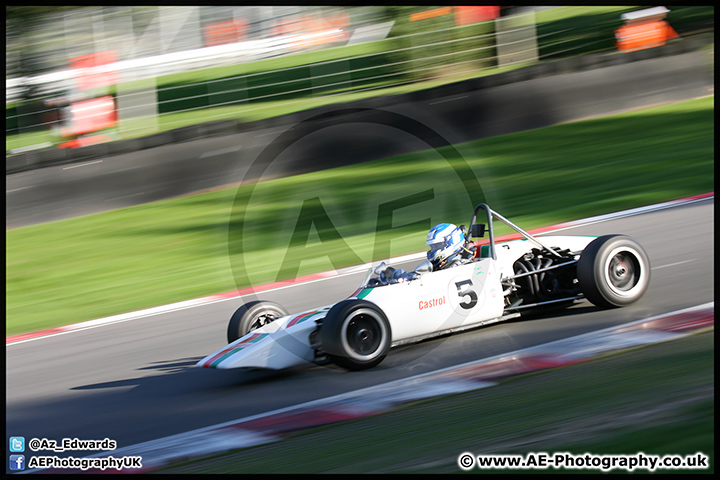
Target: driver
column 447, row 246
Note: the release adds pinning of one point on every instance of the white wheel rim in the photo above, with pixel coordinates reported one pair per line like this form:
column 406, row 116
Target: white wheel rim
column 618, row 272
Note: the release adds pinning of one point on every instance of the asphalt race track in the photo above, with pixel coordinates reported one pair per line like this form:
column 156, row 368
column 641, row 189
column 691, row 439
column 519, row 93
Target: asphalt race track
column 134, row 381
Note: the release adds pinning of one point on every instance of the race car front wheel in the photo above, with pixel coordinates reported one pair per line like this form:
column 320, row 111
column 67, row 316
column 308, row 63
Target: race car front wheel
column 252, row 316
column 355, row 334
column 613, row 271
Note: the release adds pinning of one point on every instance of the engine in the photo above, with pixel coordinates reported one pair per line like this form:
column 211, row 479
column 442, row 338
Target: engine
column 542, row 277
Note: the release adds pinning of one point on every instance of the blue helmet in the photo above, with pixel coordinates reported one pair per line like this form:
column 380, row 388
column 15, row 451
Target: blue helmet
column 444, row 241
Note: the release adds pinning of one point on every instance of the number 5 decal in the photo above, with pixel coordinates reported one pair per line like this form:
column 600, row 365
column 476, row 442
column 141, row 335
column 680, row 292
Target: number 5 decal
column 467, row 292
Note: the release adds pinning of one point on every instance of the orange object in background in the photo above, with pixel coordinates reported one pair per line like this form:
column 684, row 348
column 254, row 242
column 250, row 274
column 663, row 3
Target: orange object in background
column 85, row 141
column 90, row 116
column 314, row 30
column 84, row 116
column 229, row 31
column 469, row 15
column 644, row 29
column 88, row 76
column 340, row 21
column 435, row 12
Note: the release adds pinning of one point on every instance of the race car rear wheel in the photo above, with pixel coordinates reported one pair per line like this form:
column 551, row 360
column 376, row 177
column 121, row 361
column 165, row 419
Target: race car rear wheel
column 613, row 271
column 252, row 316
column 355, row 334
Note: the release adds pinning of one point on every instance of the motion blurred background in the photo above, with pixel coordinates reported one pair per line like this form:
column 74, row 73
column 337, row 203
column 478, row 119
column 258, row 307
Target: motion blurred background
column 169, row 222
column 81, row 75
column 77, row 76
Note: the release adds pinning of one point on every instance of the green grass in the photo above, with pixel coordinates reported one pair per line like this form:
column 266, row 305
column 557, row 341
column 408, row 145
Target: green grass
column 257, row 110
column 656, row 399
column 257, row 90
column 28, row 139
column 172, row 250
column 270, row 108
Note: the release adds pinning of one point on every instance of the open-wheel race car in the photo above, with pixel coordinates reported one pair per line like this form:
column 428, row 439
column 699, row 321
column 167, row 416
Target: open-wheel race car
column 500, row 281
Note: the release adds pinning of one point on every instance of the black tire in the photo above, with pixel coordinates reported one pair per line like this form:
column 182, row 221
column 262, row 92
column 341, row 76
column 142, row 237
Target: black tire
column 252, row 316
column 613, row 271
column 355, row 334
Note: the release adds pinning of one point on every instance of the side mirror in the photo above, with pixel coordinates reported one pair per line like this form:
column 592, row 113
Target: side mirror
column 477, row 230
column 380, row 268
column 424, row 267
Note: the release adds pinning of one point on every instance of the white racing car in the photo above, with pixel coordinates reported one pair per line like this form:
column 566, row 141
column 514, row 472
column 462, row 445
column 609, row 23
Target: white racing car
column 393, row 307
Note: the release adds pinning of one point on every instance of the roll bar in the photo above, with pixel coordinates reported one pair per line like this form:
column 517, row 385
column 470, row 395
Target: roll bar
column 478, row 230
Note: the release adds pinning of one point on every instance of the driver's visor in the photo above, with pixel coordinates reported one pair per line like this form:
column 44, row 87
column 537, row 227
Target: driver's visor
column 434, row 247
